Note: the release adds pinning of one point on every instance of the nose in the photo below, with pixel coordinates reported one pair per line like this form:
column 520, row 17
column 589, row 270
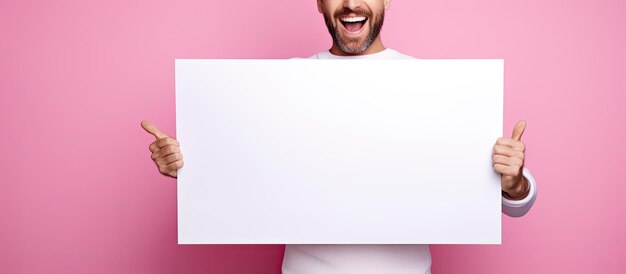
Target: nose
column 351, row 4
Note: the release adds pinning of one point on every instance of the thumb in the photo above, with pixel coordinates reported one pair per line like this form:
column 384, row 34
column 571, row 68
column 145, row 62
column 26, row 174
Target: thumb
column 152, row 129
column 518, row 130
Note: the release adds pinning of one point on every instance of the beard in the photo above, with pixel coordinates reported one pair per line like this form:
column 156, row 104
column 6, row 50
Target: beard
column 353, row 45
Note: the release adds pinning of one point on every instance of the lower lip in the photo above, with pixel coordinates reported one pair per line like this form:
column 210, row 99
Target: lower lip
column 353, row 32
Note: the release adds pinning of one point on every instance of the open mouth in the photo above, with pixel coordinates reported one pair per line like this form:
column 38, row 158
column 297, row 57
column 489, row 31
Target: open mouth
column 353, row 24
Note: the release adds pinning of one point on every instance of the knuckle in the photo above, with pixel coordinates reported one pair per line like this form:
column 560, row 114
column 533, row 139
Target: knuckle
column 170, row 141
column 172, row 149
column 160, row 142
column 168, row 149
column 167, row 159
column 163, row 142
column 175, row 165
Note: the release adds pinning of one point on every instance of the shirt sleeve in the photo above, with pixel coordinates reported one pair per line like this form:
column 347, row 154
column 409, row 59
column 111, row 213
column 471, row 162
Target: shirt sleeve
column 518, row 208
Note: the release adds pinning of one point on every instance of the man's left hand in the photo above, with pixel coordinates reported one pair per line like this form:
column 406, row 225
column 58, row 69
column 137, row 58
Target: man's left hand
column 508, row 160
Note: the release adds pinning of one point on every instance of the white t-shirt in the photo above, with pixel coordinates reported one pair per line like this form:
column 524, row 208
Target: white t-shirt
column 364, row 259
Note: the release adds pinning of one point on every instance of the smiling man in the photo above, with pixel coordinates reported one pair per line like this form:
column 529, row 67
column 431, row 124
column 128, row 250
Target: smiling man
column 355, row 27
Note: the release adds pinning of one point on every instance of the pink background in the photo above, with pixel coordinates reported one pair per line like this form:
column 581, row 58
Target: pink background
column 80, row 194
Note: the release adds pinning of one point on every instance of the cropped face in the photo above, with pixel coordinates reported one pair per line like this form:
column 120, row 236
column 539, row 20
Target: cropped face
column 353, row 24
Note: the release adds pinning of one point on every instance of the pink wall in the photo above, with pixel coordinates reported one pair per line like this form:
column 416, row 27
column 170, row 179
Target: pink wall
column 79, row 193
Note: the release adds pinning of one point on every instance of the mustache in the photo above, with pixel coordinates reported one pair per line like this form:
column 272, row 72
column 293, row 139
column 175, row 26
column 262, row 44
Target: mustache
column 358, row 11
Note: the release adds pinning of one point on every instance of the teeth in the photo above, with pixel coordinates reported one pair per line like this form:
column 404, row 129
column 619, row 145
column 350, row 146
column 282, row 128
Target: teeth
column 353, row 19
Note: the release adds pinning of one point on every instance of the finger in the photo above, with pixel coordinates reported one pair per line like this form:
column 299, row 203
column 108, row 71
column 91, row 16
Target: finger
column 500, row 168
column 517, row 145
column 170, row 159
column 152, row 129
column 165, row 151
column 169, row 168
column 153, row 147
column 160, row 143
column 507, row 161
column 518, row 130
column 173, row 174
column 507, row 151
column 166, row 142
column 507, row 170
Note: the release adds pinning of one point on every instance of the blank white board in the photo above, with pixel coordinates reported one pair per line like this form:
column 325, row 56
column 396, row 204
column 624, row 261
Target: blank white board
column 338, row 151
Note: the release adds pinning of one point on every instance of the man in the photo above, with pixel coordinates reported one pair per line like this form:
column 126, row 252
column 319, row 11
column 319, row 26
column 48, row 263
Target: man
column 355, row 27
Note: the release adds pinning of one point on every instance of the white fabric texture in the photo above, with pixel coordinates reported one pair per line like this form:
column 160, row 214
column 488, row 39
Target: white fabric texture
column 365, row 259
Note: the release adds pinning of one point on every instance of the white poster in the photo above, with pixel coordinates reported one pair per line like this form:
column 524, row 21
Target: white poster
column 305, row 151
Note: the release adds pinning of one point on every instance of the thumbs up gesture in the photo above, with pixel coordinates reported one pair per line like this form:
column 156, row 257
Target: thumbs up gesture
column 165, row 150
column 508, row 160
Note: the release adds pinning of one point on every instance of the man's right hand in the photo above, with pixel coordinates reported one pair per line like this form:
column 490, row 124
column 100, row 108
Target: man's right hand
column 165, row 150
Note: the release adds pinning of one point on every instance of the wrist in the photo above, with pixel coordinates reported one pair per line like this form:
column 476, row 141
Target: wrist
column 519, row 192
